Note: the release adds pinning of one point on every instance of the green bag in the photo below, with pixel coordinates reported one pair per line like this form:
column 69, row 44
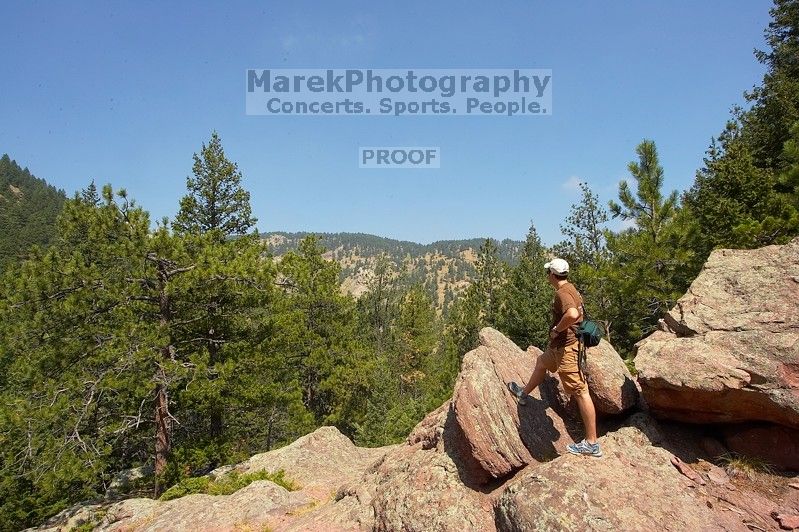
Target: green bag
column 590, row 332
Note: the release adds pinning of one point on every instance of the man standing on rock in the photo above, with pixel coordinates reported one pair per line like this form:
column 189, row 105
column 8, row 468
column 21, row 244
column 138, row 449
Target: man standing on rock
column 562, row 355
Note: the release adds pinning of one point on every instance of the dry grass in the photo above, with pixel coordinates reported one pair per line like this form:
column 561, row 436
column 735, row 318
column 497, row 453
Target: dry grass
column 738, row 465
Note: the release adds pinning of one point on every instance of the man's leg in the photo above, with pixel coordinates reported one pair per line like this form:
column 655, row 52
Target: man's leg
column 587, row 412
column 539, row 373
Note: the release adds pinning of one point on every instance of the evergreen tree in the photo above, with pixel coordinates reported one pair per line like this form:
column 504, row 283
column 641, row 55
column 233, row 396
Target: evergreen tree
column 216, row 208
column 738, row 197
column 378, row 307
column 491, row 272
column 584, row 230
column 527, row 296
column 77, row 362
column 320, row 330
column 216, row 199
column 647, row 208
column 789, row 178
column 416, row 336
column 649, row 262
column 222, row 318
column 480, row 305
column 28, row 211
column 736, row 203
column 775, row 102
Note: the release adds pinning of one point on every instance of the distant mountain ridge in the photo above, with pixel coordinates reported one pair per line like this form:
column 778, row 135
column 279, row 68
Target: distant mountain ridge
column 445, row 268
column 29, row 207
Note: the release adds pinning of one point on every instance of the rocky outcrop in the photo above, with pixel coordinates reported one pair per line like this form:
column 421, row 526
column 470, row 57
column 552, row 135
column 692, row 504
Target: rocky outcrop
column 503, row 436
column 729, row 349
column 612, row 387
column 423, row 490
column 634, row 487
column 258, row 505
column 321, row 462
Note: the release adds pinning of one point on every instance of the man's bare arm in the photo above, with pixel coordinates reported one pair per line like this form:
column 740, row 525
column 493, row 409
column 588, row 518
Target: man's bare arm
column 569, row 318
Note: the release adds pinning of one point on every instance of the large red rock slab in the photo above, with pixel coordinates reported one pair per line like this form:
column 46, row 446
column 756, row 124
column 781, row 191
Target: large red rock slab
column 501, row 435
column 729, row 350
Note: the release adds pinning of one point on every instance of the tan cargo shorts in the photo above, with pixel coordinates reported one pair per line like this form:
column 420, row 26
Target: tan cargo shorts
column 563, row 360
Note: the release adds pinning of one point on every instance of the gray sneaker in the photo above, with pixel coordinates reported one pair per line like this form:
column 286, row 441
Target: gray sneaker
column 585, row 448
column 518, row 392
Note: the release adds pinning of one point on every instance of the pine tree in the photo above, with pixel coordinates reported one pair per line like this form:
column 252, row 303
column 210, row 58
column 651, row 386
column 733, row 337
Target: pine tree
column 491, row 273
column 480, row 305
column 775, row 102
column 77, row 361
column 734, row 202
column 216, row 208
column 583, row 228
column 738, row 197
column 648, row 264
column 527, row 296
column 416, row 335
column 379, row 305
column 647, row 208
column 216, row 199
column 330, row 365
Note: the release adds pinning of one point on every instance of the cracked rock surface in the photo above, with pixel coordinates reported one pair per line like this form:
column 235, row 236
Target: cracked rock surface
column 728, row 352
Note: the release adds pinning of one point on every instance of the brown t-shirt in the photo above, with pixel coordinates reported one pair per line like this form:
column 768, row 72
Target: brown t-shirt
column 566, row 297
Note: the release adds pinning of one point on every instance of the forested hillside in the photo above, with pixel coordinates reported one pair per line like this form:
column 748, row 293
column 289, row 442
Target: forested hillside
column 28, row 209
column 444, row 268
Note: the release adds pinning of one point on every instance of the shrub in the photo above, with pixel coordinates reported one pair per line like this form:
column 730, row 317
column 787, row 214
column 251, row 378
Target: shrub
column 226, row 485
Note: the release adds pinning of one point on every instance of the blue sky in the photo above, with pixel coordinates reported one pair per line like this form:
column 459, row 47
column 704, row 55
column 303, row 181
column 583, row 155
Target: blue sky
column 126, row 92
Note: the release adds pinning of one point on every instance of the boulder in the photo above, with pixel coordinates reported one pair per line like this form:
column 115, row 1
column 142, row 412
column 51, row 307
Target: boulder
column 320, row 462
column 729, row 350
column 422, row 490
column 612, row 386
column 501, row 435
column 257, row 505
column 410, row 488
column 633, row 487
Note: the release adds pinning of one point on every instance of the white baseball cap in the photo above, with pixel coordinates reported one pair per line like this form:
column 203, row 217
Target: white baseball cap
column 557, row 266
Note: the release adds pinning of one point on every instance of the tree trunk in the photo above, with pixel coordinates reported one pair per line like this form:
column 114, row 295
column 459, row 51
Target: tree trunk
column 607, row 323
column 163, row 431
column 269, row 426
column 163, row 424
column 215, row 427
